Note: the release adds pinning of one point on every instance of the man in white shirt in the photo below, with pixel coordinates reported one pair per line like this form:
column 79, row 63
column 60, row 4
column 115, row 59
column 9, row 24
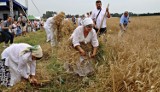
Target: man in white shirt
column 97, row 16
column 80, row 20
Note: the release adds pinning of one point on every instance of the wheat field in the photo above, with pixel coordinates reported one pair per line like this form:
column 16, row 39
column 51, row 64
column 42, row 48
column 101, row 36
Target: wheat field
column 129, row 64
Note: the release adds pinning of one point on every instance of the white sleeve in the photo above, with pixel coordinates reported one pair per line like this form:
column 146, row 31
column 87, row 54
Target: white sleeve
column 75, row 40
column 33, row 68
column 94, row 40
column 5, row 53
column 22, row 62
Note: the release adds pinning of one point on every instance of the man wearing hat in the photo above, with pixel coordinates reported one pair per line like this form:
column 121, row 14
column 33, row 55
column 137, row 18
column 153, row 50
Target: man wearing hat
column 19, row 60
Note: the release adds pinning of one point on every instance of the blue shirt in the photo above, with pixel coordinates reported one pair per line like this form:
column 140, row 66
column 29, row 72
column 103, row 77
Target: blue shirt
column 124, row 20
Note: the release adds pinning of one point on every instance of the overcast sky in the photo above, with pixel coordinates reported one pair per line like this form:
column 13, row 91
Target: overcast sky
column 83, row 6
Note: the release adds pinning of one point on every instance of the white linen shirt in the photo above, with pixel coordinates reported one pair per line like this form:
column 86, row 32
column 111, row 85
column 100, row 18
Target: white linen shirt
column 99, row 18
column 78, row 36
column 48, row 22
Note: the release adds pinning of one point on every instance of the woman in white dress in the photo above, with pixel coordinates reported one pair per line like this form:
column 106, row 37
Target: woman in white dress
column 19, row 60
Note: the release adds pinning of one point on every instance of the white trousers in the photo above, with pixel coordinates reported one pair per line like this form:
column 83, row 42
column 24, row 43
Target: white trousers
column 15, row 75
column 53, row 43
column 50, row 36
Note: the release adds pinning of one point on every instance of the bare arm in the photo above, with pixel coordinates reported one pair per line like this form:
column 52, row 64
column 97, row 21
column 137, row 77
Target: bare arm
column 107, row 11
column 94, row 52
column 3, row 27
column 82, row 52
column 32, row 78
column 108, row 14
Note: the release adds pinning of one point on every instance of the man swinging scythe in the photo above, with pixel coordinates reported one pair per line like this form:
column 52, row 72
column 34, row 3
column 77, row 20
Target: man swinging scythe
column 99, row 16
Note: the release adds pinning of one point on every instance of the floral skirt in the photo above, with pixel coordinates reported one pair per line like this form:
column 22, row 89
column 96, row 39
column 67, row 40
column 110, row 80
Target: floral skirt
column 4, row 74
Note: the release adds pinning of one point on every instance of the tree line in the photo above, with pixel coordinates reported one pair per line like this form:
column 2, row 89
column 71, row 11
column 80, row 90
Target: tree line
column 134, row 14
column 51, row 13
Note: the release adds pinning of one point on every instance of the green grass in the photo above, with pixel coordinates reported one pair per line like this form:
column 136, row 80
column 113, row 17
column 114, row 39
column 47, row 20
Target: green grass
column 48, row 68
column 49, row 64
column 137, row 53
column 31, row 38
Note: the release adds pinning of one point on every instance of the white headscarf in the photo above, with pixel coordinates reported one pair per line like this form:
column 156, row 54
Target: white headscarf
column 35, row 50
column 87, row 21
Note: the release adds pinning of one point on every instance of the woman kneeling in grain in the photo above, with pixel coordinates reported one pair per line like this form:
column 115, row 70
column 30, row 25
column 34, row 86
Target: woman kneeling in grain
column 84, row 40
column 19, row 60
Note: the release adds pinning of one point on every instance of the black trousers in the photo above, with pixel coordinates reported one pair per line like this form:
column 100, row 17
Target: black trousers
column 102, row 30
column 8, row 37
column 2, row 37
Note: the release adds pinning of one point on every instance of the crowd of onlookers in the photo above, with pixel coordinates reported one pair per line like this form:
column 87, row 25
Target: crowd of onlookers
column 11, row 28
column 78, row 19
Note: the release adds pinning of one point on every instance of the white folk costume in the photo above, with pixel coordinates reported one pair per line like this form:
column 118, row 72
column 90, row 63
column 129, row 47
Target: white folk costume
column 99, row 17
column 83, row 65
column 49, row 30
column 18, row 58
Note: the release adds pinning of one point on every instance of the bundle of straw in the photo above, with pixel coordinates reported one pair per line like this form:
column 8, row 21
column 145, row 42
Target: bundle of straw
column 56, row 25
